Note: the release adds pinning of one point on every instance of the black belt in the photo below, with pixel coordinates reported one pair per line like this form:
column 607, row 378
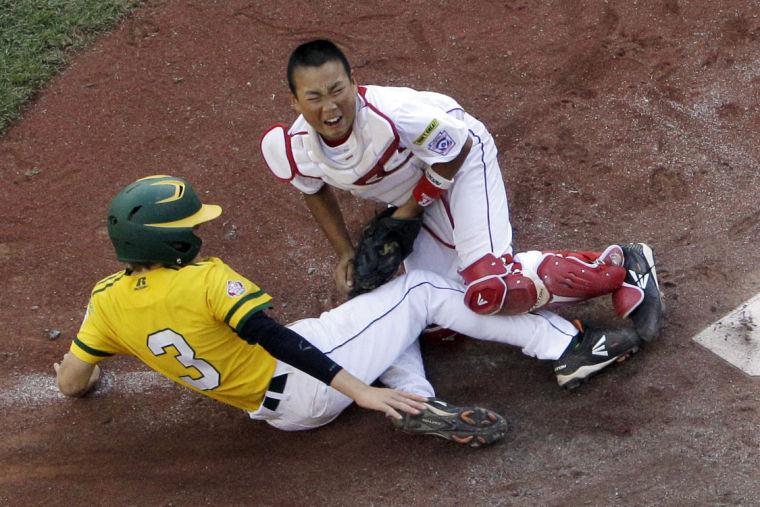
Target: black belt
column 276, row 385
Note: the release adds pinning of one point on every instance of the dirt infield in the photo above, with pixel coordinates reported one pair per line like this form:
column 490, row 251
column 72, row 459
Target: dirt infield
column 615, row 120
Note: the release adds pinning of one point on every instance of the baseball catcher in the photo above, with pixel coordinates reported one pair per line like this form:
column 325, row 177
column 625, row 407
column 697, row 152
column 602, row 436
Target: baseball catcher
column 424, row 154
column 384, row 244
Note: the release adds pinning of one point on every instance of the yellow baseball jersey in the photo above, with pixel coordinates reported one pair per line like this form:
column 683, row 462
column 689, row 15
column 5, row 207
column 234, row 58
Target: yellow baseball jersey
column 182, row 323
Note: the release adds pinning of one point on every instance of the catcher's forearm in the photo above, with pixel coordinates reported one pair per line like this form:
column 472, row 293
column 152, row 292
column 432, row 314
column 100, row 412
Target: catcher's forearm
column 410, row 209
column 434, row 182
column 326, row 211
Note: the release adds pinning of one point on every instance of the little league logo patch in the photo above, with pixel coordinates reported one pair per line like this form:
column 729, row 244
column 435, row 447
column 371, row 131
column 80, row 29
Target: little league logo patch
column 235, row 288
column 442, row 143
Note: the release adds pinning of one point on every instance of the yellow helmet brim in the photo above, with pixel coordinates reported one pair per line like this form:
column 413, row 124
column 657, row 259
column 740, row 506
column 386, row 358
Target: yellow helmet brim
column 207, row 213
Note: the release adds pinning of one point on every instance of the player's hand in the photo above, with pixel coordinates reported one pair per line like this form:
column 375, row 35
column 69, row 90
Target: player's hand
column 390, row 402
column 344, row 273
column 74, row 376
column 57, row 366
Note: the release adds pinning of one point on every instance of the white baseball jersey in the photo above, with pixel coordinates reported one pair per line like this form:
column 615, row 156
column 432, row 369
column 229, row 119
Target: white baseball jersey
column 397, row 132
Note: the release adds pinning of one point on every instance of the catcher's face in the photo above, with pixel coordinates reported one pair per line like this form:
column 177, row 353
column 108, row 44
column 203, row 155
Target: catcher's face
column 326, row 97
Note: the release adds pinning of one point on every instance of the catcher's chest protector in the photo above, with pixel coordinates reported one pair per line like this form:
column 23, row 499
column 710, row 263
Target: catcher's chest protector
column 374, row 152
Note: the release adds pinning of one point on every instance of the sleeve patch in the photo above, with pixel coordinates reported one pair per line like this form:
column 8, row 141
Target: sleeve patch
column 442, row 143
column 428, row 130
column 235, row 288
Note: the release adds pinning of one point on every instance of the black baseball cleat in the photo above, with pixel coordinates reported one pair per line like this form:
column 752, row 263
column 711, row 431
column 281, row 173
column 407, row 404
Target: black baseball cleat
column 640, row 270
column 470, row 426
column 592, row 350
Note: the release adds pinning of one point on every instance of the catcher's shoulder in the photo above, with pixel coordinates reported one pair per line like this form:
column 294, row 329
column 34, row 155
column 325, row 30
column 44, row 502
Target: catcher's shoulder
column 277, row 151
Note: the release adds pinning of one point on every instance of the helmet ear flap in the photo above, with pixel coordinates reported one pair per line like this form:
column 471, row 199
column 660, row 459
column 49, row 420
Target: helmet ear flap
column 186, row 251
column 180, row 246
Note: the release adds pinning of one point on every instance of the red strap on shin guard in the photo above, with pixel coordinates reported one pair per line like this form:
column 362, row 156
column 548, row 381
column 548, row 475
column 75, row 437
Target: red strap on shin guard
column 587, row 257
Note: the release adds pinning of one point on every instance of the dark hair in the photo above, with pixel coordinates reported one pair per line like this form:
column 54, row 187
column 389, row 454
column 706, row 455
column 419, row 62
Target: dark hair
column 314, row 54
column 138, row 266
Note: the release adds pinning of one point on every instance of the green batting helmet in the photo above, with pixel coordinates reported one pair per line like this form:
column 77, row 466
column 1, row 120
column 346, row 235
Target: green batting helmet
column 152, row 220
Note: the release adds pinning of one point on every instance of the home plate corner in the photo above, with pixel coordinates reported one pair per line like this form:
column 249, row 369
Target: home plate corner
column 736, row 337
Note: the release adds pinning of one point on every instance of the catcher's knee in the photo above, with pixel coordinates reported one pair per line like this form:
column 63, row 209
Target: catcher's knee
column 486, row 287
column 495, row 287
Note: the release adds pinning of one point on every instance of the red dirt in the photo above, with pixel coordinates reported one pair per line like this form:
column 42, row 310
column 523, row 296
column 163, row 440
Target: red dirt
column 616, row 121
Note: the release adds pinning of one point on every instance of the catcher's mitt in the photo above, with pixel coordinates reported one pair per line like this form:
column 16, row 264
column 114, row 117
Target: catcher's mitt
column 384, row 244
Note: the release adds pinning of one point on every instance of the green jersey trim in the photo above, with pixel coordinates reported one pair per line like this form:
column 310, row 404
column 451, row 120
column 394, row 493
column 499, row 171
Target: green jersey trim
column 241, row 303
column 90, row 350
column 101, row 289
column 253, row 311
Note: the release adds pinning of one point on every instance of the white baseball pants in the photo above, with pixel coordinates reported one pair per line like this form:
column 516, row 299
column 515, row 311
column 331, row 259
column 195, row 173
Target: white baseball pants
column 371, row 332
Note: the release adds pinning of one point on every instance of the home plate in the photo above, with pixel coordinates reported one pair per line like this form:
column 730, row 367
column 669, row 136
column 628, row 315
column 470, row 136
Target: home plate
column 736, row 337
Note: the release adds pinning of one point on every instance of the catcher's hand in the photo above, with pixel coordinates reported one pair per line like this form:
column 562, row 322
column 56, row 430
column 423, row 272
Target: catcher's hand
column 385, row 243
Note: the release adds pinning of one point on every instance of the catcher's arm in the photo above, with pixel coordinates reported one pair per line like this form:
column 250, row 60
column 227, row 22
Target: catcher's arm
column 450, row 168
column 326, row 211
column 74, row 376
column 412, row 208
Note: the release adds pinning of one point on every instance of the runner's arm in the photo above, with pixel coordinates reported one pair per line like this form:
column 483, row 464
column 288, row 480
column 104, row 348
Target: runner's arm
column 295, row 350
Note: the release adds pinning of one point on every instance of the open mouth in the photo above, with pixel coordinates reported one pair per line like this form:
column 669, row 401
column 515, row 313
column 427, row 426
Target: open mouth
column 333, row 121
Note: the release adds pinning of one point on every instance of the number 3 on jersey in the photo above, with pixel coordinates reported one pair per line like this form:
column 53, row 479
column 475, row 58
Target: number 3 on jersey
column 160, row 341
